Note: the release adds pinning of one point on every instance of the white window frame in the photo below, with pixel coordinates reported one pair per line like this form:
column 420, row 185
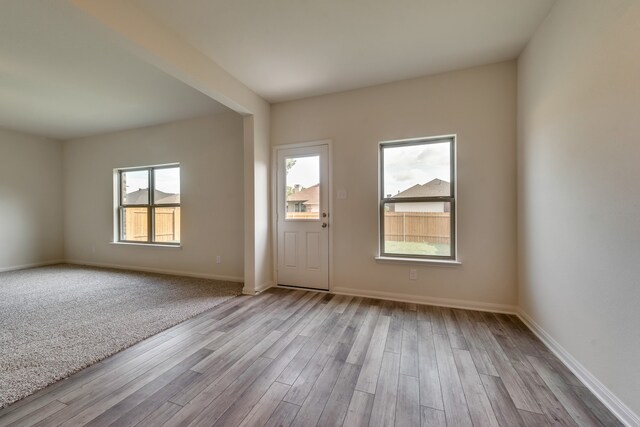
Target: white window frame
column 452, row 198
column 151, row 206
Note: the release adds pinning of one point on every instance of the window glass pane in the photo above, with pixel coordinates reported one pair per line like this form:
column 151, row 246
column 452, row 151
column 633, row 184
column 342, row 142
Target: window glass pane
column 417, row 228
column 303, row 187
column 167, row 225
column 417, row 170
column 134, row 187
column 135, row 224
column 167, row 186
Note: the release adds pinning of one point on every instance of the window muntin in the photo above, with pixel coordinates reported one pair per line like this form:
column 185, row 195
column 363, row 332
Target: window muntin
column 417, row 198
column 151, row 217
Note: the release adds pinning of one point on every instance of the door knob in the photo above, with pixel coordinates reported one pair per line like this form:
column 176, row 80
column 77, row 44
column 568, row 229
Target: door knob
column 325, row 225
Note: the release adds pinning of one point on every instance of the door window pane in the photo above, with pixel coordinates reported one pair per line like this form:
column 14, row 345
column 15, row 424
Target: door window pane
column 422, row 170
column 134, row 188
column 302, row 187
column 135, row 224
column 167, row 225
column 167, row 186
column 422, row 228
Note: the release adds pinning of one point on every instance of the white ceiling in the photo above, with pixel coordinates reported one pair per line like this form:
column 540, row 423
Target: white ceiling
column 287, row 49
column 62, row 77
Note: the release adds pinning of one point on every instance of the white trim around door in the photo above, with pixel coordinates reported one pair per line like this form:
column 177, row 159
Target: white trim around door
column 327, row 208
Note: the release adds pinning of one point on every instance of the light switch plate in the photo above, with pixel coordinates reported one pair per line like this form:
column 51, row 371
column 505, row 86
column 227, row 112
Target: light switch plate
column 342, row 194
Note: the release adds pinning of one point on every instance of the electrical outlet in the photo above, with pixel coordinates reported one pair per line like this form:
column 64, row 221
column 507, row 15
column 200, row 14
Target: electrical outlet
column 218, row 259
column 413, row 274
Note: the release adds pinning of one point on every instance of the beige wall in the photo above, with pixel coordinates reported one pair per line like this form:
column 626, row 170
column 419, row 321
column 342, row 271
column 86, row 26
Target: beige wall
column 478, row 105
column 210, row 152
column 30, row 200
column 579, row 203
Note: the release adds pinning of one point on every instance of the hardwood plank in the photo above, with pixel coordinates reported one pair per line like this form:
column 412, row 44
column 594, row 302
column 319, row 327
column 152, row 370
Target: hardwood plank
column 424, row 318
column 430, row 389
column 475, row 394
column 332, row 341
column 359, row 412
column 519, row 392
column 232, row 344
column 102, row 396
column 314, row 404
column 309, row 362
column 337, row 406
column 38, row 415
column 200, row 415
column 475, row 345
column 303, row 312
column 597, row 408
column 237, row 409
column 361, row 344
column 409, row 350
column 530, row 419
column 211, row 393
column 105, row 411
column 459, row 342
column 564, row 372
column 206, row 397
column 266, row 406
column 437, row 320
column 322, row 315
column 346, row 341
column 450, row 322
column 430, row 417
column 384, row 404
column 304, row 382
column 137, row 367
column 394, row 338
column 228, row 369
column 565, row 394
column 505, row 411
column 371, row 366
column 145, row 407
column 455, row 405
column 160, row 415
column 550, row 405
column 283, row 415
column 408, row 402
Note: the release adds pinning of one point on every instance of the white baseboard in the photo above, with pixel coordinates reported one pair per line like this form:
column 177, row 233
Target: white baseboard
column 158, row 270
column 610, row 400
column 33, row 265
column 259, row 289
column 442, row 302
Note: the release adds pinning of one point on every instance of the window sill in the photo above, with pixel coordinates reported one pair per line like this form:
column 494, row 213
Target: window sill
column 394, row 260
column 153, row 245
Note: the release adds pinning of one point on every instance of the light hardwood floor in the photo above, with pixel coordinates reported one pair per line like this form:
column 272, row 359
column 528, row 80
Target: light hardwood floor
column 302, row 358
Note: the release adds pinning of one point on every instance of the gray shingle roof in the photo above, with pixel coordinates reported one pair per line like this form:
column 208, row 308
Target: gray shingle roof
column 141, row 197
column 310, row 196
column 433, row 188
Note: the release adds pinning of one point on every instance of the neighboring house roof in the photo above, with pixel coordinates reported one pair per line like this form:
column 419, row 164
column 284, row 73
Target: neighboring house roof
column 310, row 196
column 433, row 188
column 141, row 197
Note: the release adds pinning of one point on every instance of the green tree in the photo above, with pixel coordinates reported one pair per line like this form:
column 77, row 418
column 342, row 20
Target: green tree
column 290, row 163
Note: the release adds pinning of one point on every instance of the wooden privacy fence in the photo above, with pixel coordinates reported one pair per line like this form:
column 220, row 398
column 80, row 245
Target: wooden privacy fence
column 167, row 224
column 303, row 215
column 422, row 227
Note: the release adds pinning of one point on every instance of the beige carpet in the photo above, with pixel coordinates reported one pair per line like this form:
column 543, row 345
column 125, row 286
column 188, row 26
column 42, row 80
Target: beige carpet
column 57, row 320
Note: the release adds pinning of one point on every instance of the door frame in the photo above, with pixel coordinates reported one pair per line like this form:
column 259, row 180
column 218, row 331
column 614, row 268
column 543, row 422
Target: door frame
column 274, row 203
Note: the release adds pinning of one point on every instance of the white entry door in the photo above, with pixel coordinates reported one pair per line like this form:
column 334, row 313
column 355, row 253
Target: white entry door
column 303, row 217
